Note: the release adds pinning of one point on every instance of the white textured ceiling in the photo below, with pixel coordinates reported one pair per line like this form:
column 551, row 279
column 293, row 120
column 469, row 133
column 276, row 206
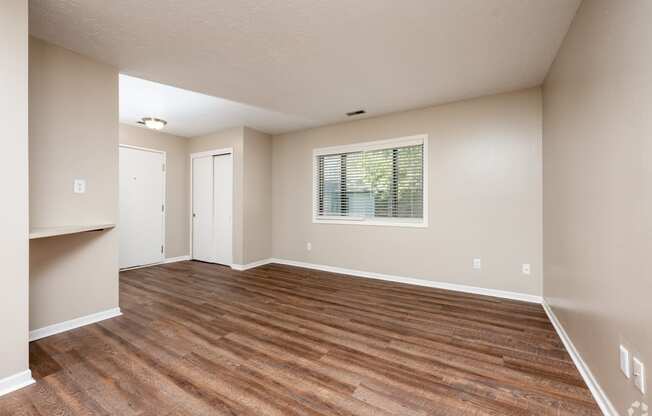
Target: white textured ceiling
column 318, row 59
column 191, row 114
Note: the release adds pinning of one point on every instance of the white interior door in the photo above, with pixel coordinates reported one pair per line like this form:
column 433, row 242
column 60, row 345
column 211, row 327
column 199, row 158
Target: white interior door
column 223, row 203
column 142, row 199
column 202, row 208
column 212, row 203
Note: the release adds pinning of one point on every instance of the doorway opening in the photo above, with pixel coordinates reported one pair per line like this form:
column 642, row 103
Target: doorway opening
column 142, row 206
column 211, row 206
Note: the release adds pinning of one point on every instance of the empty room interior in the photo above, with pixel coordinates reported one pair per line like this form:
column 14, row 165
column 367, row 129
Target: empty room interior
column 372, row 207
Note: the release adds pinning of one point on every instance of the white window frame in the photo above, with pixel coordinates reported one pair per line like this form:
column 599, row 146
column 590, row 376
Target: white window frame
column 367, row 146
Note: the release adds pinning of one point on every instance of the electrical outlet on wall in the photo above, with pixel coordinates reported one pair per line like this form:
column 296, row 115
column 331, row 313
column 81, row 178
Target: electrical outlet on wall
column 79, row 186
column 477, row 263
column 526, row 269
column 309, row 246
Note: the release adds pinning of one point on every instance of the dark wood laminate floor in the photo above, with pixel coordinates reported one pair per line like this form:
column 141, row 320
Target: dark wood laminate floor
column 199, row 339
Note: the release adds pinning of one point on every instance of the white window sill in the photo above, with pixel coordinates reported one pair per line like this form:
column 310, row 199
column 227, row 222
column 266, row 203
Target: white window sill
column 393, row 222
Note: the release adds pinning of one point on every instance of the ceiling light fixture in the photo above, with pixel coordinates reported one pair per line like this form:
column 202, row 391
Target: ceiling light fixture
column 153, row 123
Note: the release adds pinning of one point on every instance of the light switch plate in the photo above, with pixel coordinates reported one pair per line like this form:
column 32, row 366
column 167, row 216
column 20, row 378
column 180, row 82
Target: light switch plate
column 477, row 263
column 624, row 361
column 79, row 187
column 639, row 374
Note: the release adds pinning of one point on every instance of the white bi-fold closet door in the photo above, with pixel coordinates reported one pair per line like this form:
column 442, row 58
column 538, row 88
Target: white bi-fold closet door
column 142, row 206
column 212, row 206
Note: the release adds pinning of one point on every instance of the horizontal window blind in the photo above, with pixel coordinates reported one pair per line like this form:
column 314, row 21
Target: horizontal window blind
column 379, row 183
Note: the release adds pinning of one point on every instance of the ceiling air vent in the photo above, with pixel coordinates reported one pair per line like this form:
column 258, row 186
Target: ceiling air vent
column 355, row 113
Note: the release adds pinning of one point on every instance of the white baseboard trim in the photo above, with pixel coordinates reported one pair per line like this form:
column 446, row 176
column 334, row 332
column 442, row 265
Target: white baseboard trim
column 598, row 394
column 175, row 259
column 15, row 382
column 242, row 267
column 164, row 261
column 73, row 323
column 414, row 281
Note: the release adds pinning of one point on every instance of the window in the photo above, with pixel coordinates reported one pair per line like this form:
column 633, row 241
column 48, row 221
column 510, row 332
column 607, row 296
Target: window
column 375, row 183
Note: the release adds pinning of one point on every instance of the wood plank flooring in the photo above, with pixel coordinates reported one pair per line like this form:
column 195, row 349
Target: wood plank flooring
column 200, row 339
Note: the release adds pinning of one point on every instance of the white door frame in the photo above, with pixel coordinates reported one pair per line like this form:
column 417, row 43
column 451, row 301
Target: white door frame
column 214, row 152
column 164, row 171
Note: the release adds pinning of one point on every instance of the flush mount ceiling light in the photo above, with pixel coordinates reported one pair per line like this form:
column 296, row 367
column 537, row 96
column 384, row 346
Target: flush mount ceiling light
column 153, row 123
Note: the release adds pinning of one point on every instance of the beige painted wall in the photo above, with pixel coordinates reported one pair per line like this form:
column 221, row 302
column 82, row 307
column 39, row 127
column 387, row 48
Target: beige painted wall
column 257, row 196
column 484, row 190
column 230, row 138
column 177, row 177
column 73, row 122
column 252, row 164
column 13, row 178
column 598, row 188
